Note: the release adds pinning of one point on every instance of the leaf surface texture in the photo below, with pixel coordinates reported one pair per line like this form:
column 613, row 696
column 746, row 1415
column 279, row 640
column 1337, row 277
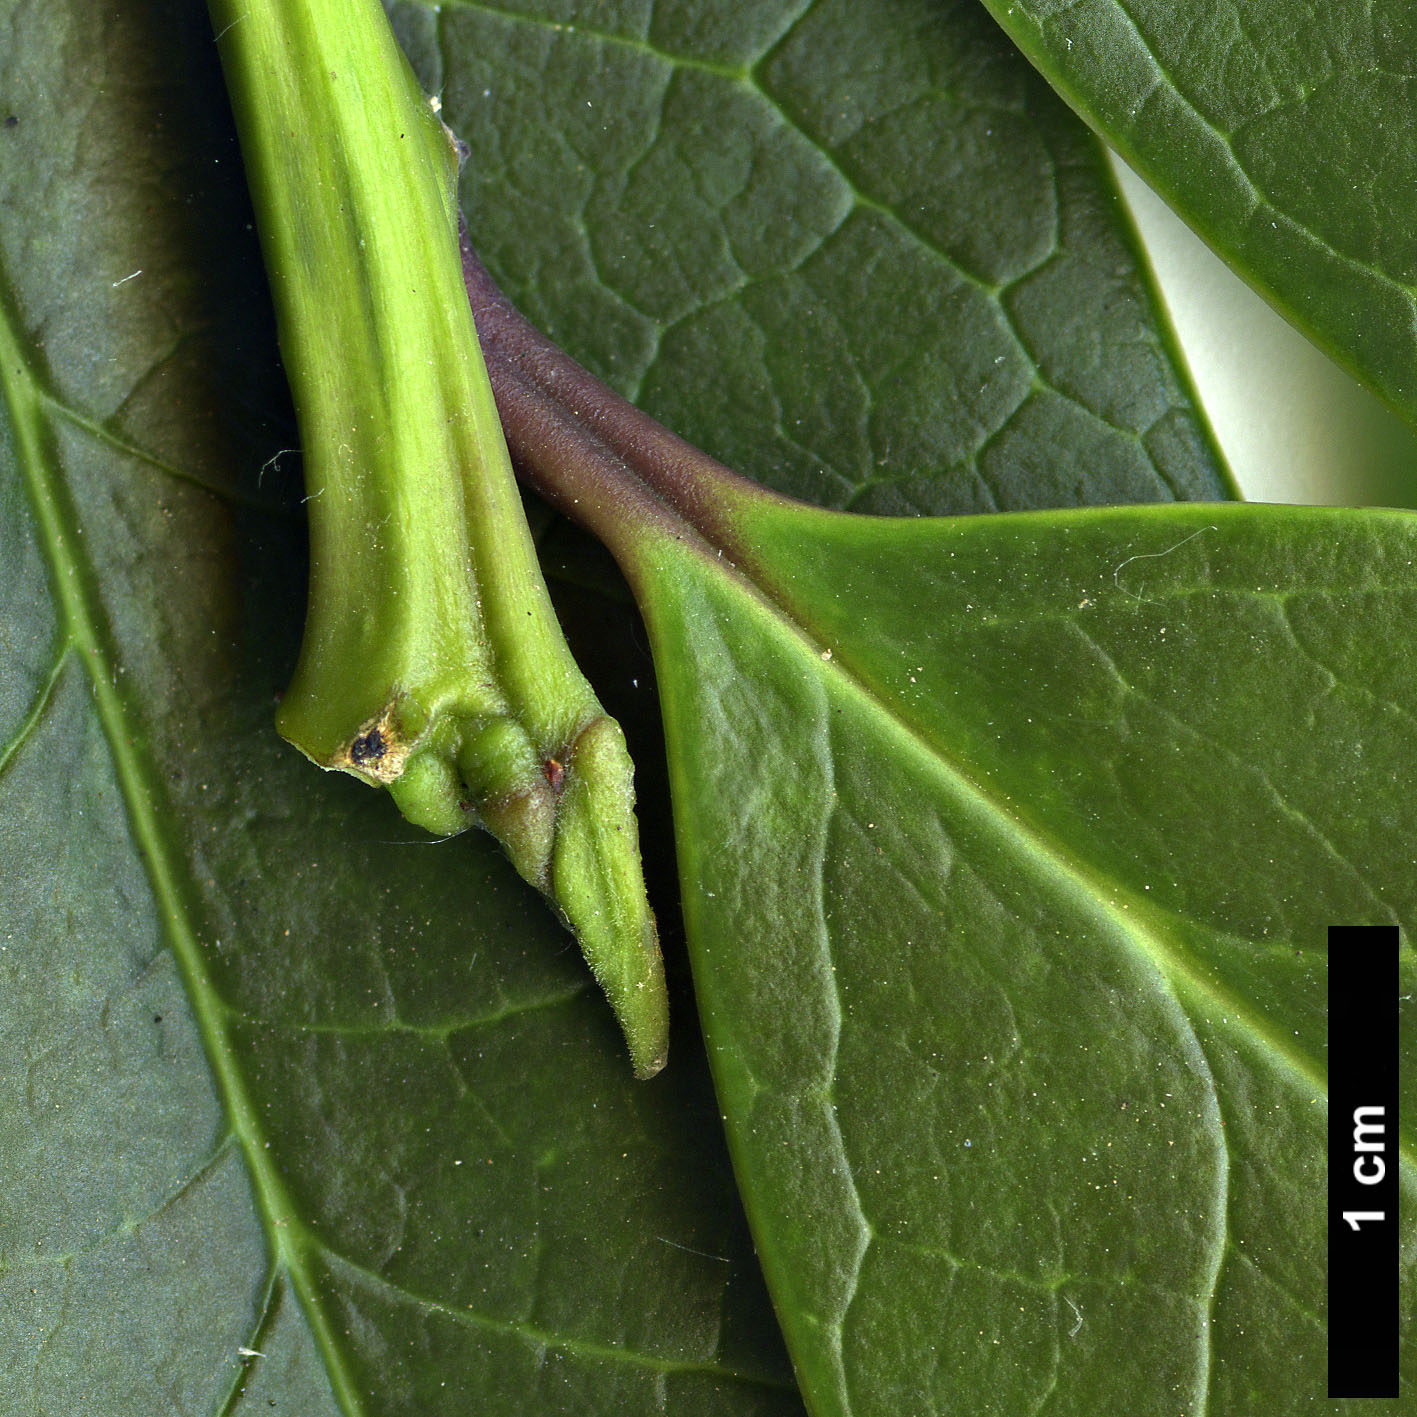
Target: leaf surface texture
column 713, row 207
column 1009, row 932
column 1280, row 136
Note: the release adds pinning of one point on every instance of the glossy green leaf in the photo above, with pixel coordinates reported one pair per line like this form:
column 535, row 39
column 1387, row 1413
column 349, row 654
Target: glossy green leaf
column 1008, row 849
column 854, row 250
column 1280, row 134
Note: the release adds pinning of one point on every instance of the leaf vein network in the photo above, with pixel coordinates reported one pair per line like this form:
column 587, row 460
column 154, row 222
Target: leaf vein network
column 532, row 1334
column 130, row 1225
column 640, row 43
column 1337, row 682
column 117, row 443
column 1238, row 1253
column 1260, row 198
column 1168, row 956
column 750, row 78
column 39, row 707
column 79, row 608
column 392, row 1027
column 865, row 1234
column 254, row 1344
column 1242, row 767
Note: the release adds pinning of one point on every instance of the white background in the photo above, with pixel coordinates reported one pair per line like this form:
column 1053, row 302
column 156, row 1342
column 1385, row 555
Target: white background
column 1295, row 427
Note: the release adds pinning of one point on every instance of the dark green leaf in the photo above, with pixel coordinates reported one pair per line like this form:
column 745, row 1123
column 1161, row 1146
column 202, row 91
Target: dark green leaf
column 1018, row 833
column 1281, row 135
column 413, row 1173
column 855, row 250
column 374, row 1010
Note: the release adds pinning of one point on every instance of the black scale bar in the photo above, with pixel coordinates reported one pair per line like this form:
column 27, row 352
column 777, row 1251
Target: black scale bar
column 1362, row 1161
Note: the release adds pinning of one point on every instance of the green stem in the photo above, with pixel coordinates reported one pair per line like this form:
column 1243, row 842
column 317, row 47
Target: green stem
column 432, row 661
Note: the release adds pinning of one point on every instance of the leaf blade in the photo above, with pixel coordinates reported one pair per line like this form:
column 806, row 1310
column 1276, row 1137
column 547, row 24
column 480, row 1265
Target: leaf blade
column 1119, row 1111
column 664, row 210
column 1251, row 131
column 132, row 1227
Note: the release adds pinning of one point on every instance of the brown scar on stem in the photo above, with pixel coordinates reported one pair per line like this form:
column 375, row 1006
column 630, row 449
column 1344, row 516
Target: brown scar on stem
column 555, row 771
column 376, row 750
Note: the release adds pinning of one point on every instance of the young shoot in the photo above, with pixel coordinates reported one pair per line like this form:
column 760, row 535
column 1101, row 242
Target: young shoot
column 432, row 662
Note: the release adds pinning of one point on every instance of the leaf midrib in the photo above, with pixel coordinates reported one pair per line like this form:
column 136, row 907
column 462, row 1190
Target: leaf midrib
column 80, row 609
column 1135, row 918
column 288, row 1236
column 1071, row 881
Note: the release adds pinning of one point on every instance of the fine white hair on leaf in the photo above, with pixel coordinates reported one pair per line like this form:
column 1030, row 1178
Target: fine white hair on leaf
column 1152, row 556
